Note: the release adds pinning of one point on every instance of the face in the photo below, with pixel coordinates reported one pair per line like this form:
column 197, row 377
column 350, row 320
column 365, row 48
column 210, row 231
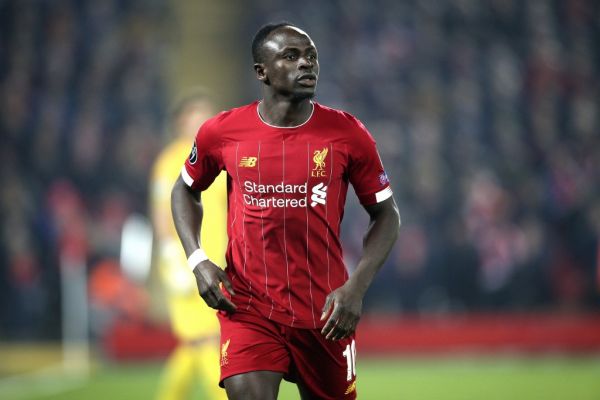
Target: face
column 192, row 116
column 290, row 67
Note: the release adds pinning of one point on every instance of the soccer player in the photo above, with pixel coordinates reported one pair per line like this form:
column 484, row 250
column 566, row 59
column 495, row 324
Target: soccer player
column 196, row 359
column 287, row 307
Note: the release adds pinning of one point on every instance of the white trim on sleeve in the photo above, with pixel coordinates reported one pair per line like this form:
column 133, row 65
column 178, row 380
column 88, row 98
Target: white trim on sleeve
column 186, row 177
column 383, row 195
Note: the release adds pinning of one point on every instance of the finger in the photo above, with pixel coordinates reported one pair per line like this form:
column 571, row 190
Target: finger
column 338, row 334
column 210, row 299
column 202, row 290
column 211, row 296
column 346, row 323
column 345, row 332
column 327, row 307
column 226, row 305
column 328, row 329
column 223, row 303
column 225, row 281
column 352, row 327
column 345, row 335
column 346, row 327
column 335, row 333
column 331, row 323
column 339, row 330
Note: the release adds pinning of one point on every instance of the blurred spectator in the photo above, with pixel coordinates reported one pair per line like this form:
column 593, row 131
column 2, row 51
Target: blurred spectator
column 114, row 298
column 81, row 110
column 487, row 117
column 486, row 114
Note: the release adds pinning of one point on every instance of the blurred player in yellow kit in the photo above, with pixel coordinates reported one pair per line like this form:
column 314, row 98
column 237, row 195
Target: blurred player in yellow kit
column 196, row 359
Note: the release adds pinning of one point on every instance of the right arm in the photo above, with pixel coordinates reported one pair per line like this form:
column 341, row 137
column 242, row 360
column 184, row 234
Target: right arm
column 186, row 207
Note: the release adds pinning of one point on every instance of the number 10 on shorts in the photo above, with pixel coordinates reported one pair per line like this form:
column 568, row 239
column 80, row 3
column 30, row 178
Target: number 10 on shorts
column 350, row 354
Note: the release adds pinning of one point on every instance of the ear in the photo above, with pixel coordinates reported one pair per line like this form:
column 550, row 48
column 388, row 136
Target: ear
column 261, row 73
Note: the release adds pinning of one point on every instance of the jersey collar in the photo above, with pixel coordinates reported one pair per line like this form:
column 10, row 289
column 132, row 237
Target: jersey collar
column 312, row 111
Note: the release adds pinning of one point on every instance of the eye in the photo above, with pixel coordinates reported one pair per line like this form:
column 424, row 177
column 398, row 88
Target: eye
column 312, row 57
column 290, row 56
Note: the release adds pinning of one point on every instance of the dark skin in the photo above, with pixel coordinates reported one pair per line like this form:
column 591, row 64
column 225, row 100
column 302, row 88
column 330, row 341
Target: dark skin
column 289, row 71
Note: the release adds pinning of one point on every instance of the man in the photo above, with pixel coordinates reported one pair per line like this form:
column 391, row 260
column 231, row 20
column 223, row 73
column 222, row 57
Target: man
column 287, row 306
column 196, row 358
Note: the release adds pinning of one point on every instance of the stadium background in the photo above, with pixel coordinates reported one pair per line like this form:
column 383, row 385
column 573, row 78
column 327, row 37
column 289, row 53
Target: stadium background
column 486, row 116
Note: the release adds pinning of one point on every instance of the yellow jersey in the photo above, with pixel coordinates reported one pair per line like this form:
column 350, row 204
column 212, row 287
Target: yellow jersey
column 191, row 318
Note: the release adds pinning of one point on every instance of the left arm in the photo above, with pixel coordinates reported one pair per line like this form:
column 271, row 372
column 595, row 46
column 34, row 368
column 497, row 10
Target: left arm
column 345, row 303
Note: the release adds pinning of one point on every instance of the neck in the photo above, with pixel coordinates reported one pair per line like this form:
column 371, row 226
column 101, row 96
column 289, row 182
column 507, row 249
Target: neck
column 285, row 112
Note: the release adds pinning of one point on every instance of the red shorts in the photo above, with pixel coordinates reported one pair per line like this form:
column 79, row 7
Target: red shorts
column 325, row 368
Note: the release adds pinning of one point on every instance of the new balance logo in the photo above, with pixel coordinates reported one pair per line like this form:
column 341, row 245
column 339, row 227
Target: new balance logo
column 319, row 194
column 248, row 162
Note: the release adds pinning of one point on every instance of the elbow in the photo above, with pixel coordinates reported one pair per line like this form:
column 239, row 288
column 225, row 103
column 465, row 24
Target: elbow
column 393, row 223
column 176, row 190
column 181, row 191
column 396, row 217
column 398, row 221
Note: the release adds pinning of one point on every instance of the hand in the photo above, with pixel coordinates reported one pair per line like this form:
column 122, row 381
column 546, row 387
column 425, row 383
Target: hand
column 208, row 278
column 347, row 308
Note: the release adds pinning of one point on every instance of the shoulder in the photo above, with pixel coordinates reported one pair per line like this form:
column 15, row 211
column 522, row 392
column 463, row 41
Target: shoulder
column 340, row 117
column 354, row 129
column 334, row 114
column 229, row 118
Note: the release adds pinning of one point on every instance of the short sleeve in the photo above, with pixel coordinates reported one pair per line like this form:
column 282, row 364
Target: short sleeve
column 205, row 161
column 365, row 170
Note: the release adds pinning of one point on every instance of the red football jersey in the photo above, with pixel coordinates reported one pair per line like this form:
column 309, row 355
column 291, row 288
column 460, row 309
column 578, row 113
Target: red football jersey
column 286, row 194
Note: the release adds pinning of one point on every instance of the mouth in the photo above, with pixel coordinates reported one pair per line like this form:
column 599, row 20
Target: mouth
column 307, row 79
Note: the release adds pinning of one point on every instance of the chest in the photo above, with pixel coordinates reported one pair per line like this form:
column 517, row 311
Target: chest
column 295, row 162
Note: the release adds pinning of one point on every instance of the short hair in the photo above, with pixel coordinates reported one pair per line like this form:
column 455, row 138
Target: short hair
column 261, row 37
column 196, row 94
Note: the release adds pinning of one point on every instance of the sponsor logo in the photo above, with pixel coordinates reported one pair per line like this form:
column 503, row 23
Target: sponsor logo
column 194, row 154
column 283, row 194
column 248, row 162
column 319, row 159
column 277, row 192
column 319, row 194
column 253, row 187
column 224, row 356
column 351, row 388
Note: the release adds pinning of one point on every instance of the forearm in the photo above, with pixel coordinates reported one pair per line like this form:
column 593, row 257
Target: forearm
column 187, row 216
column 378, row 241
column 186, row 209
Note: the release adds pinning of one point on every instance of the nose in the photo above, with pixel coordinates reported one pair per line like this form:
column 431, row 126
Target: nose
column 305, row 63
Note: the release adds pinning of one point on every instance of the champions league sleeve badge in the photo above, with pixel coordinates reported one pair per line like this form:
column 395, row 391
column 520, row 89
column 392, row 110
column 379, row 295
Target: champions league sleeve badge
column 383, row 178
column 194, row 154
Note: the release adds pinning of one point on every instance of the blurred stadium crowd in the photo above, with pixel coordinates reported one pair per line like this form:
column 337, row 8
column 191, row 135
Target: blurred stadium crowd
column 485, row 113
column 486, row 116
column 82, row 109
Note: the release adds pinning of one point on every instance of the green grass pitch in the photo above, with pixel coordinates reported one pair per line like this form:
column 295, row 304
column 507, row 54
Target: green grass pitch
column 461, row 378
